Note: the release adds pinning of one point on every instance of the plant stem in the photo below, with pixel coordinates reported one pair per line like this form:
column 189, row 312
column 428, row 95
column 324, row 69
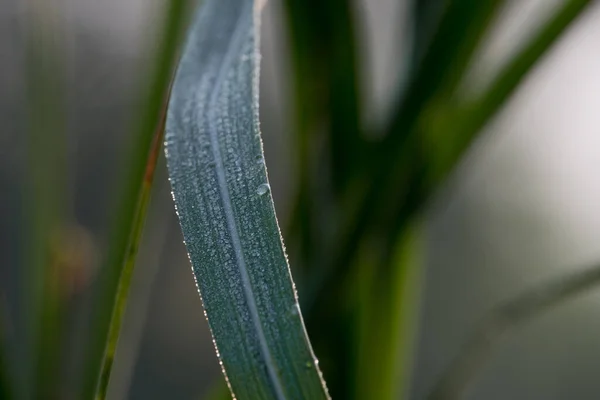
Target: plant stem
column 460, row 30
column 388, row 312
column 329, row 144
column 46, row 198
column 124, row 284
column 326, row 83
column 503, row 318
column 159, row 229
column 471, row 118
column 327, row 116
column 407, row 177
column 462, row 27
column 116, row 274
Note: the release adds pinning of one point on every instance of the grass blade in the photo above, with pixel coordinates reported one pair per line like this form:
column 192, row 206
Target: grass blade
column 116, row 274
column 446, row 128
column 445, row 132
column 397, row 160
column 46, row 195
column 473, row 116
column 138, row 304
column 327, row 128
column 327, row 119
column 460, row 30
column 434, row 129
column 426, row 15
column 503, row 318
column 388, row 313
column 220, row 187
column 124, row 281
column 322, row 36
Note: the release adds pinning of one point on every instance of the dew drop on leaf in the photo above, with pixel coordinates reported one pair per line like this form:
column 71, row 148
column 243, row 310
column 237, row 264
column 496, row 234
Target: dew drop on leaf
column 263, row 189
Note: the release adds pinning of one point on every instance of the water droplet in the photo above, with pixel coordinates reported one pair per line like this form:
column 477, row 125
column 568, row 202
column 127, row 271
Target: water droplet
column 308, row 365
column 263, row 189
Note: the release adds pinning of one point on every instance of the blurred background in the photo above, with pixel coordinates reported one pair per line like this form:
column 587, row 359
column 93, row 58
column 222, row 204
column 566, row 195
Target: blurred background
column 522, row 208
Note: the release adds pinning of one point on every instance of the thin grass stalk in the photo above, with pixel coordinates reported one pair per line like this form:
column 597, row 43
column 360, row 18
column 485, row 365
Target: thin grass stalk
column 122, row 293
column 327, row 117
column 329, row 151
column 45, row 193
column 503, row 319
column 472, row 117
column 322, row 36
column 159, row 229
column 467, row 125
column 389, row 309
column 124, row 241
column 461, row 29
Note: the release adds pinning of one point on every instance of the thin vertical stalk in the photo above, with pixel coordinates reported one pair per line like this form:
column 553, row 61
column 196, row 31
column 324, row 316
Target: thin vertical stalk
column 327, row 116
column 46, row 189
column 124, row 283
column 461, row 29
column 116, row 273
column 462, row 124
column 387, row 321
column 504, row 318
column 470, row 118
column 159, row 229
column 329, row 144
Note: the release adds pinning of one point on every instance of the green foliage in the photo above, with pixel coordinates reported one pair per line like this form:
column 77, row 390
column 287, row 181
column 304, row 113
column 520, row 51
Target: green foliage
column 46, row 153
column 5, row 379
column 222, row 195
column 355, row 234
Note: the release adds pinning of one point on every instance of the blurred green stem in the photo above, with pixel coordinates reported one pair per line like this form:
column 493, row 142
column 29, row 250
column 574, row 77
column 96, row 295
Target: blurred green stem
column 138, row 308
column 327, row 116
column 124, row 241
column 326, row 82
column 124, row 282
column 460, row 31
column 502, row 319
column 46, row 198
column 387, row 321
column 471, row 117
column 431, row 148
column 329, row 150
column 387, row 191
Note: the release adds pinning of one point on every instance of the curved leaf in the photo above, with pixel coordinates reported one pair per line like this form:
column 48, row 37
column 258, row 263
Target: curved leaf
column 222, row 195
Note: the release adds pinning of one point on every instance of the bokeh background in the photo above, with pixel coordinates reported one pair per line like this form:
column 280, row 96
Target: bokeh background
column 522, row 208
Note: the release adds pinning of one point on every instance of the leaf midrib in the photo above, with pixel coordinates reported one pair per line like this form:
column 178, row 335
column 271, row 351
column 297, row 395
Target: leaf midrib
column 236, row 42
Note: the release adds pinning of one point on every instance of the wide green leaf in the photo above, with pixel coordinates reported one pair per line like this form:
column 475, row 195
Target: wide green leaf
column 221, row 191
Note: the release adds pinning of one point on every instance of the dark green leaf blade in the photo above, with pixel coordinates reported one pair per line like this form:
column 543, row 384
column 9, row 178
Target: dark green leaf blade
column 221, row 192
